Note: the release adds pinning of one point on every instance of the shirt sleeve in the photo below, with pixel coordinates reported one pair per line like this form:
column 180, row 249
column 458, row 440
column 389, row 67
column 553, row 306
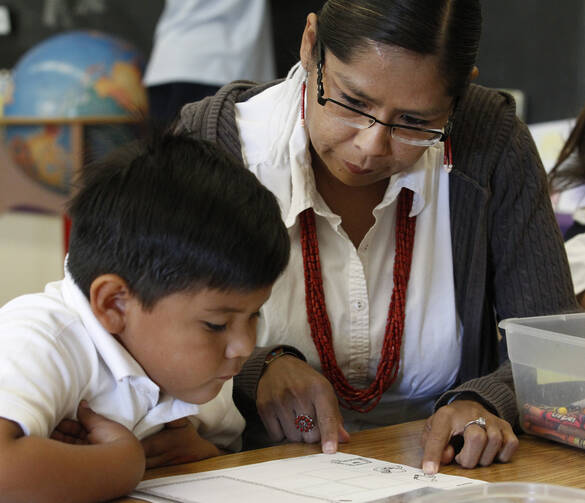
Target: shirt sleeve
column 37, row 378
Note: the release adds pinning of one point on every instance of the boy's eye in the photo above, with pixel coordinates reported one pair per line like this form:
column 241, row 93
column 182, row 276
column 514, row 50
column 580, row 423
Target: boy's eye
column 215, row 328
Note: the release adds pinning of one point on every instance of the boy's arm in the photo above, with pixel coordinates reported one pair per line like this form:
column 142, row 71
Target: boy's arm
column 178, row 442
column 40, row 469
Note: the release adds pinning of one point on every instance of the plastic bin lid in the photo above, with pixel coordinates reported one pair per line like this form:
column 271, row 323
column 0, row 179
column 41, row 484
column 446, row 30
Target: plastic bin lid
column 507, row 492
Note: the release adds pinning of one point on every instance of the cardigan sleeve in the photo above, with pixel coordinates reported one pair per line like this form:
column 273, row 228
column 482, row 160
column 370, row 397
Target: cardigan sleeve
column 494, row 391
column 246, row 382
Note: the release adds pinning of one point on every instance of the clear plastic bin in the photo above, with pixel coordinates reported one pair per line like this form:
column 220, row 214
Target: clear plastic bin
column 504, row 492
column 548, row 364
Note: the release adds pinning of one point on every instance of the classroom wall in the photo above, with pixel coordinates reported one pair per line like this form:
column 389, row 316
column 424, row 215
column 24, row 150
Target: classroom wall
column 31, row 252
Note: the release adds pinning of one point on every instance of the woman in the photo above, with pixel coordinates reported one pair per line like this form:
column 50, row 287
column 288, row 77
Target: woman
column 418, row 213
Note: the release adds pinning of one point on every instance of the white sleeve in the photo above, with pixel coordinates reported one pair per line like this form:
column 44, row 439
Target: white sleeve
column 38, row 378
column 576, row 254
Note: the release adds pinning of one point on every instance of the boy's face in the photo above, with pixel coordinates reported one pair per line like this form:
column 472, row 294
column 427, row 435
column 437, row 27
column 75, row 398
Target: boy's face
column 190, row 344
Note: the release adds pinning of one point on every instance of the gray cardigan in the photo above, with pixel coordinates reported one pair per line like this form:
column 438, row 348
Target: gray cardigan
column 508, row 253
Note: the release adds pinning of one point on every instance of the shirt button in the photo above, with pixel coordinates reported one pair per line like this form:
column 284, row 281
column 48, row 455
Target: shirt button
column 359, row 305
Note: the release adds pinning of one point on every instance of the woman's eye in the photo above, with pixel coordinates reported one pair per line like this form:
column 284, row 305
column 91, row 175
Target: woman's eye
column 215, row 328
column 413, row 121
column 352, row 101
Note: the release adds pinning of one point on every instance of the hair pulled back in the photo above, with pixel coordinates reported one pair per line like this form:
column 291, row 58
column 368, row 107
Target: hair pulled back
column 450, row 29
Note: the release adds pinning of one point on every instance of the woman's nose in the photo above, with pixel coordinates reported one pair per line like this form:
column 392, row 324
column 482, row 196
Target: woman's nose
column 374, row 141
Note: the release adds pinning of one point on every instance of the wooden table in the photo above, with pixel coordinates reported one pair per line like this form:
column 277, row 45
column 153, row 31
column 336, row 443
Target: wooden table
column 537, row 460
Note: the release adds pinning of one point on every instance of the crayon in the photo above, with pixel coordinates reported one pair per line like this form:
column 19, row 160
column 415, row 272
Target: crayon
column 554, row 435
column 572, row 418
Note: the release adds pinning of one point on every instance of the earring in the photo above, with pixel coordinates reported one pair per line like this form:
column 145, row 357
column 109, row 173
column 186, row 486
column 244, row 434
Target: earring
column 448, row 156
column 303, row 87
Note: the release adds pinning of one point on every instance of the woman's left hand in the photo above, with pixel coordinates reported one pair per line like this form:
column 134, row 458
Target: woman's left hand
column 481, row 445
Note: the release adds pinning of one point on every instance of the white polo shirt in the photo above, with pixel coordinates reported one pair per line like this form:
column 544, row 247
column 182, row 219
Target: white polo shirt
column 55, row 353
column 358, row 282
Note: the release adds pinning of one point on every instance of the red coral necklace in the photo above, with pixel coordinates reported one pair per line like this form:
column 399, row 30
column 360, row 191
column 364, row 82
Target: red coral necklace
column 359, row 399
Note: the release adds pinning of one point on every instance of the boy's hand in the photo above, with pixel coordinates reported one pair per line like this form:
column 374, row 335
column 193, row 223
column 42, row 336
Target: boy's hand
column 70, row 432
column 76, row 432
column 101, row 430
column 177, row 443
column 290, row 387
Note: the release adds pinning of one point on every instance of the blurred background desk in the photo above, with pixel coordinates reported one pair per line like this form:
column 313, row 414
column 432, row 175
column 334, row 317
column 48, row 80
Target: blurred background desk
column 537, row 460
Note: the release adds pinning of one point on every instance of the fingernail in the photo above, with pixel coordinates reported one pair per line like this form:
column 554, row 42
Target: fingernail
column 329, row 448
column 430, row 468
column 84, row 404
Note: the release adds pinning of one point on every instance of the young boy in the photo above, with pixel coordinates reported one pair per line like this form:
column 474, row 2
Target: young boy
column 174, row 249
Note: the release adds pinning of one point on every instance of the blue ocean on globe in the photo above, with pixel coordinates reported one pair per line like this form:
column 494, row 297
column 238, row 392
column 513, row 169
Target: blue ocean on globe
column 85, row 75
column 64, row 75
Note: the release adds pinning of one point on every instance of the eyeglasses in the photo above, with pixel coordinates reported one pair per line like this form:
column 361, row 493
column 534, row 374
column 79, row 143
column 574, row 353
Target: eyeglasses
column 352, row 117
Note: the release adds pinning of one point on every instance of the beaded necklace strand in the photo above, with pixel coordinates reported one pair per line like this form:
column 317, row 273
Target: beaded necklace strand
column 361, row 400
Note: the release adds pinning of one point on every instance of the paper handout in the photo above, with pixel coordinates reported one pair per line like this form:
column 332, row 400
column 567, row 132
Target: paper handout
column 338, row 478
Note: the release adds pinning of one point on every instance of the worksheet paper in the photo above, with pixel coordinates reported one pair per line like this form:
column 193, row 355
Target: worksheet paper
column 339, row 478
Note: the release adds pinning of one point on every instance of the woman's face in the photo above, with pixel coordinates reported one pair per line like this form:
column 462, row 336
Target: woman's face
column 390, row 83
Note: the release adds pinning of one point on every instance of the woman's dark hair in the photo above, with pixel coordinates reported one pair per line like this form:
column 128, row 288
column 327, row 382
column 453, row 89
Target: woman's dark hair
column 175, row 214
column 450, row 29
column 569, row 170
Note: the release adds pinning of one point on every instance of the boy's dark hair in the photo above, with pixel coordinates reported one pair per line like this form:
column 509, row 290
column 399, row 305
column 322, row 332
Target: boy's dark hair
column 174, row 214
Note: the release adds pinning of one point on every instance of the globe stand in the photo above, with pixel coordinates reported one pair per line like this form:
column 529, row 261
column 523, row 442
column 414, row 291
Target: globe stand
column 18, row 191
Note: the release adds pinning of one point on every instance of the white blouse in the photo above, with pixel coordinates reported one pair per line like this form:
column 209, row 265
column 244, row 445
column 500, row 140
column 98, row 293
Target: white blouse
column 358, row 282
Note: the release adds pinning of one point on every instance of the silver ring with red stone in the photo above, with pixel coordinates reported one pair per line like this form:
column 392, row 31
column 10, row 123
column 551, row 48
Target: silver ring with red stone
column 304, row 423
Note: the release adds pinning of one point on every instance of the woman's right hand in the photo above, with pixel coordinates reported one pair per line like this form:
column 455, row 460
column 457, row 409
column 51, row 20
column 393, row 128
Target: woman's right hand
column 289, row 387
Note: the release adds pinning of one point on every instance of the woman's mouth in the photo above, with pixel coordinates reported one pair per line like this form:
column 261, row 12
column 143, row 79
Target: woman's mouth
column 355, row 169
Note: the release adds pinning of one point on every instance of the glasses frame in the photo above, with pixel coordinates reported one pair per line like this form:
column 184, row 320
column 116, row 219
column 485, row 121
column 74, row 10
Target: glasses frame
column 444, row 133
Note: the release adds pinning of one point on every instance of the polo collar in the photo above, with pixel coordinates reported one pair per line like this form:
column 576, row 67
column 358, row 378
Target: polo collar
column 115, row 356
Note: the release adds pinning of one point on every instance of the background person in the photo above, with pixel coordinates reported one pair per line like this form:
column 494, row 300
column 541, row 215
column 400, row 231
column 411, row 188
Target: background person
column 200, row 45
column 567, row 173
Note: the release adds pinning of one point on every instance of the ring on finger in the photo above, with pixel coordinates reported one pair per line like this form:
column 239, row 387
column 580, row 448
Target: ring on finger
column 304, row 423
column 480, row 421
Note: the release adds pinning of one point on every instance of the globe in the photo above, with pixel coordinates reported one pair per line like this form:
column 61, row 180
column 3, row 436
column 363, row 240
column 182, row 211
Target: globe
column 79, row 76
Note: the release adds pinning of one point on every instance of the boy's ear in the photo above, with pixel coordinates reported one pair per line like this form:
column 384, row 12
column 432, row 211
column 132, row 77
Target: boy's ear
column 108, row 296
column 308, row 41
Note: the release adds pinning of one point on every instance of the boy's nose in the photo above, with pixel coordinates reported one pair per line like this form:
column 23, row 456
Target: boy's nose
column 242, row 343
